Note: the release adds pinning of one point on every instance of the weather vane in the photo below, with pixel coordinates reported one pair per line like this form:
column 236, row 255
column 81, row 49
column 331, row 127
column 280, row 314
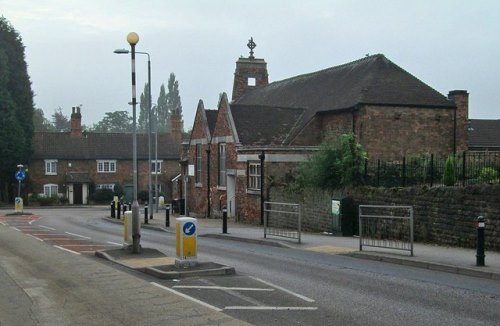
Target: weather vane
column 251, row 45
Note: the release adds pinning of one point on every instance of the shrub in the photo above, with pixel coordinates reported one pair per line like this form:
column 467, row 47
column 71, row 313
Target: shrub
column 47, row 201
column 118, row 190
column 102, row 195
column 489, row 175
column 449, row 175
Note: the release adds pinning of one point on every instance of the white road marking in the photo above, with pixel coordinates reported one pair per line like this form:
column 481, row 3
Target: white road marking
column 4, row 224
column 35, row 237
column 186, row 296
column 78, row 235
column 114, row 243
column 73, row 252
column 207, row 287
column 268, row 308
column 14, row 228
column 303, row 297
column 47, row 227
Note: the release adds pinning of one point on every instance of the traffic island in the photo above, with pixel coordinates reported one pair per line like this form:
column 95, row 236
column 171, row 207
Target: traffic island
column 154, row 262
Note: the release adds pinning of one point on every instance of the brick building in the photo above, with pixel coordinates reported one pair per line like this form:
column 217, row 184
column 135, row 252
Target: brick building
column 268, row 127
column 71, row 164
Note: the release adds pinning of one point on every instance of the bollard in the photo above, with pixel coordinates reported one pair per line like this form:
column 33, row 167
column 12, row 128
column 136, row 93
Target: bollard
column 118, row 208
column 167, row 216
column 224, row 220
column 129, row 206
column 113, row 209
column 145, row 214
column 480, row 241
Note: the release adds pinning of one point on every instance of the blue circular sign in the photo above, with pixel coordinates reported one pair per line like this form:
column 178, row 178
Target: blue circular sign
column 20, row 175
column 189, row 228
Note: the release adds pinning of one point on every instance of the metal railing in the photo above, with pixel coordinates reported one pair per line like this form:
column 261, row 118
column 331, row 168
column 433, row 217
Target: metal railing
column 388, row 227
column 282, row 220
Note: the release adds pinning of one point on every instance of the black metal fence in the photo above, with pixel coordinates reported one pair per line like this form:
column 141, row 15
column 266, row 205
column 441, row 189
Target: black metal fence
column 470, row 168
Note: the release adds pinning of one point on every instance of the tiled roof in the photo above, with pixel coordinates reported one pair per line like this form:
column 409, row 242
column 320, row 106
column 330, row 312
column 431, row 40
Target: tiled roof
column 211, row 119
column 371, row 80
column 60, row 145
column 484, row 133
column 257, row 125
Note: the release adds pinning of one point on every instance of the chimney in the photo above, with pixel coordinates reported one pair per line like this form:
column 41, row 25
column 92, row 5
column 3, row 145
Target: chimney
column 461, row 100
column 176, row 127
column 250, row 72
column 76, row 123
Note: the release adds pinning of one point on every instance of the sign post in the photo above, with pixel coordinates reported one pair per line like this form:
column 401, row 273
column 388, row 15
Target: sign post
column 186, row 236
column 20, row 175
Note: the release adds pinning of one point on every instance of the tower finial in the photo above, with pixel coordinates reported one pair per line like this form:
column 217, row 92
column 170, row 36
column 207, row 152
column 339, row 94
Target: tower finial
column 251, row 45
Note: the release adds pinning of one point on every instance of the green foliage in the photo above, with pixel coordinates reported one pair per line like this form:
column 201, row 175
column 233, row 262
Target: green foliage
column 102, row 195
column 16, row 106
column 450, row 174
column 40, row 123
column 118, row 121
column 143, row 196
column 142, row 121
column 337, row 164
column 163, row 116
column 118, row 190
column 60, row 121
column 489, row 175
column 173, row 98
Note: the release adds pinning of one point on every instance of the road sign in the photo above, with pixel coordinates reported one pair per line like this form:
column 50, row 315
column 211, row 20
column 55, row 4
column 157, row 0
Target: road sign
column 20, row 175
column 189, row 228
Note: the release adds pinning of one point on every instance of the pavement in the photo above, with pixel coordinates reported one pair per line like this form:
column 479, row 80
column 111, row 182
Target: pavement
column 446, row 259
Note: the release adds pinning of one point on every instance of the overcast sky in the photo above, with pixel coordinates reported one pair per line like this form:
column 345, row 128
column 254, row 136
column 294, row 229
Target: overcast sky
column 448, row 44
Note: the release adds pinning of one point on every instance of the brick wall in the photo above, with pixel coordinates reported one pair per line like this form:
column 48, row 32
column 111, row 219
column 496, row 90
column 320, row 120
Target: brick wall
column 443, row 215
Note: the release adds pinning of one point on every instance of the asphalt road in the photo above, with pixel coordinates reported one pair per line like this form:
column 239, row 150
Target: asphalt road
column 283, row 286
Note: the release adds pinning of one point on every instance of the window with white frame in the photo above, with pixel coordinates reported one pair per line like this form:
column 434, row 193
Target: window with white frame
column 156, row 167
column 108, row 166
column 50, row 167
column 110, row 186
column 50, row 190
column 222, row 164
column 198, row 164
column 254, row 175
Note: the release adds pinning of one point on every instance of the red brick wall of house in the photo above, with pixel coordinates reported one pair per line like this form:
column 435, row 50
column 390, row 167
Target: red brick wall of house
column 461, row 99
column 393, row 132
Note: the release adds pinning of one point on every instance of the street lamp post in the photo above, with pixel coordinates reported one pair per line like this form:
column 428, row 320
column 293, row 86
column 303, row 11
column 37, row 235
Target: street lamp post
column 133, row 39
column 150, row 195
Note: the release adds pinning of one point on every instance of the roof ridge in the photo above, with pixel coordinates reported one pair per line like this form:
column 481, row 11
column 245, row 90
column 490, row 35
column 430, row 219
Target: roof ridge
column 366, row 58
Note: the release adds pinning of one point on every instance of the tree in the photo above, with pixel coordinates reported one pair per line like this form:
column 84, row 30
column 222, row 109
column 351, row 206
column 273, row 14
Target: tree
column 16, row 106
column 40, row 123
column 174, row 105
column 337, row 164
column 449, row 175
column 142, row 122
column 163, row 115
column 118, row 121
column 60, row 121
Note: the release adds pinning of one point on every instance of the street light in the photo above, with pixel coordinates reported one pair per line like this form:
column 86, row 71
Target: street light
column 133, row 39
column 150, row 196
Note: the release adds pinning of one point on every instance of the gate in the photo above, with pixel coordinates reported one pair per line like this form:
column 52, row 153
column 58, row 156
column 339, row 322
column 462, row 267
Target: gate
column 282, row 220
column 386, row 227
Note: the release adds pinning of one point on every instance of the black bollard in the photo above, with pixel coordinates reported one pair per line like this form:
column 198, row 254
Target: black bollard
column 113, row 209
column 129, row 206
column 146, row 214
column 118, row 208
column 480, row 241
column 167, row 216
column 224, row 220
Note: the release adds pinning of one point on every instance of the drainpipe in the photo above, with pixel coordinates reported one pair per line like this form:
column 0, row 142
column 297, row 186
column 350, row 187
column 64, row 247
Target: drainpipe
column 262, row 157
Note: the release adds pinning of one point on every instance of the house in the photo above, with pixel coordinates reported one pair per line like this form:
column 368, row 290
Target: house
column 72, row 164
column 260, row 136
column 484, row 135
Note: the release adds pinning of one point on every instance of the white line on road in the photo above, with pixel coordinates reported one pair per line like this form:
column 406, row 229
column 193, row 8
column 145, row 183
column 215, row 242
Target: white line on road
column 47, row 227
column 186, row 296
column 14, row 228
column 115, row 243
column 4, row 224
column 35, row 237
column 207, row 287
column 73, row 252
column 268, row 308
column 78, row 235
column 303, row 297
